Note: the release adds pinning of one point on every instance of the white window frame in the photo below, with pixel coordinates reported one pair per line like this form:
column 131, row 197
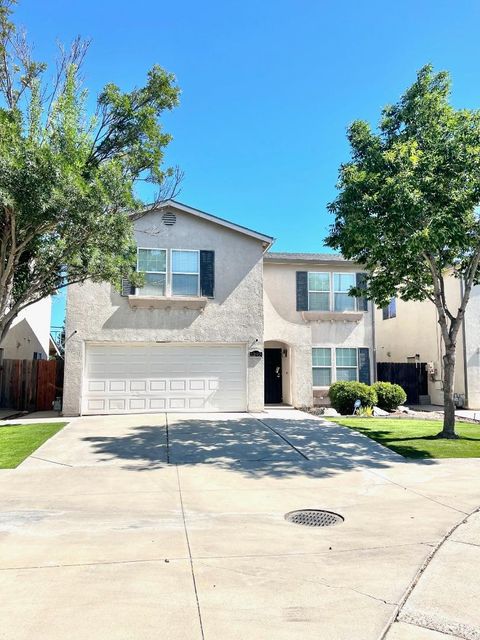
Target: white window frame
column 333, row 361
column 138, row 289
column 332, row 291
column 182, row 273
column 347, row 366
column 323, row 367
column 169, row 271
column 329, row 274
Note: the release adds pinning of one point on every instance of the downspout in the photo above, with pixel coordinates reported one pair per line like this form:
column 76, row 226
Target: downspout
column 464, row 336
column 374, row 345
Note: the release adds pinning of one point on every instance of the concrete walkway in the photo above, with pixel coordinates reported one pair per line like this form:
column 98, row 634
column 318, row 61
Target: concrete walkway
column 444, row 601
column 172, row 526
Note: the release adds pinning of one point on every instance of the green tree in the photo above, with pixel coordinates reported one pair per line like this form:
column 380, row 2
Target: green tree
column 407, row 207
column 68, row 181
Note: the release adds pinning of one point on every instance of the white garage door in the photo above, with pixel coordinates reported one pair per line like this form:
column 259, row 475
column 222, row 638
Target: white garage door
column 132, row 378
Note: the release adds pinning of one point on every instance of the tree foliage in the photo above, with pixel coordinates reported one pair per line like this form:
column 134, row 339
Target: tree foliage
column 407, row 205
column 67, row 180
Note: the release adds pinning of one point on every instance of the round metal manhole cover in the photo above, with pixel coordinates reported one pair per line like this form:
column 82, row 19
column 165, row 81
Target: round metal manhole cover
column 314, row 518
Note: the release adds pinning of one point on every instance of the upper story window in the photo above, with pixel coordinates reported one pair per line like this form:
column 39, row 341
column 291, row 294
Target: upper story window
column 153, row 263
column 390, row 311
column 185, row 273
column 342, row 283
column 329, row 291
column 319, row 291
column 175, row 272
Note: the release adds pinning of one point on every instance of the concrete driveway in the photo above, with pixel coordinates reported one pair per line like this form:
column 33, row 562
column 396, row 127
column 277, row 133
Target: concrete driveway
column 172, row 526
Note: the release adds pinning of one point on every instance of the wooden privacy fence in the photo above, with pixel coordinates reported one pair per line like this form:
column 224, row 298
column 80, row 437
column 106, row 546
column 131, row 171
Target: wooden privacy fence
column 30, row 385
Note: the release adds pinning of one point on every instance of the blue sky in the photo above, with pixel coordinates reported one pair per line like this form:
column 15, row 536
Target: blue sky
column 268, row 88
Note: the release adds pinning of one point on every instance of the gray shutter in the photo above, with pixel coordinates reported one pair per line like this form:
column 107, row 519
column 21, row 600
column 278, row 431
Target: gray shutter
column 207, row 274
column 364, row 365
column 127, row 288
column 302, row 290
column 362, row 302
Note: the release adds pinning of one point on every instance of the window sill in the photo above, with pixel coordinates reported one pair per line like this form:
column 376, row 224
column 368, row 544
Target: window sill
column 329, row 316
column 164, row 302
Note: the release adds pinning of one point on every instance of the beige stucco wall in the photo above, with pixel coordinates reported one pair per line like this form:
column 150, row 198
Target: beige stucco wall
column 97, row 312
column 30, row 332
column 472, row 342
column 284, row 323
column 415, row 330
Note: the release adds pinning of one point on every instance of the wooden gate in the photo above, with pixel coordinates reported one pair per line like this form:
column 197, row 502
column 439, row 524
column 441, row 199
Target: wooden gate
column 30, row 385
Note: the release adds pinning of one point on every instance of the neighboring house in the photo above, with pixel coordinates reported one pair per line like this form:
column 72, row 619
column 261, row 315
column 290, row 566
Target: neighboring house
column 28, row 337
column 410, row 348
column 314, row 331
column 216, row 312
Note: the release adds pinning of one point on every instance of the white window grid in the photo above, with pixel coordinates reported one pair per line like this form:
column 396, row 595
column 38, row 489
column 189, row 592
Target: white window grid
column 332, row 291
column 185, row 273
column 333, row 362
column 169, row 272
column 138, row 289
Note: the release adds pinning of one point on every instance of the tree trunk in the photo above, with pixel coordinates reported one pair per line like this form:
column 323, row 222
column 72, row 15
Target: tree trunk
column 448, row 430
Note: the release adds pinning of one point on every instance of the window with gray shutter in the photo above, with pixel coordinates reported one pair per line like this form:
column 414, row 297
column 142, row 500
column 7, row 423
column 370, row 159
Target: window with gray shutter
column 362, row 301
column 302, row 291
column 364, row 365
column 127, row 288
column 207, row 273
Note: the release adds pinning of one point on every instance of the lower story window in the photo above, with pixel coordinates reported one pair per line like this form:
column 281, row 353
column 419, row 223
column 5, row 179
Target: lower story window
column 322, row 367
column 346, row 364
column 334, row 365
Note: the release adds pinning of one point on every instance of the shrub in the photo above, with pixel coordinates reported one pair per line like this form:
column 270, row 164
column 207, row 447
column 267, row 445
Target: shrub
column 343, row 395
column 389, row 395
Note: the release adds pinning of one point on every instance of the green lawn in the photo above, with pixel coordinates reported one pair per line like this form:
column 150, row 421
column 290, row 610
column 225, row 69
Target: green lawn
column 414, row 438
column 17, row 441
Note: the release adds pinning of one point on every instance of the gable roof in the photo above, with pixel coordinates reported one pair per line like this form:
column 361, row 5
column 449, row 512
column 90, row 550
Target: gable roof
column 309, row 258
column 174, row 204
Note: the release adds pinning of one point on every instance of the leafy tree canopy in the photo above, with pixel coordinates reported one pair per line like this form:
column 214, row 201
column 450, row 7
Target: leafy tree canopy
column 68, row 180
column 408, row 197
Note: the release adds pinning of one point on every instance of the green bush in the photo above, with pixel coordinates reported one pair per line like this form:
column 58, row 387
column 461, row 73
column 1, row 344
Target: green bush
column 343, row 395
column 389, row 395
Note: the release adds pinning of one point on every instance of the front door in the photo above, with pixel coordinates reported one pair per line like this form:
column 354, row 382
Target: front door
column 273, row 376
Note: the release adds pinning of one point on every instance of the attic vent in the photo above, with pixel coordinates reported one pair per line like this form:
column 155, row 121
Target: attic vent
column 169, row 218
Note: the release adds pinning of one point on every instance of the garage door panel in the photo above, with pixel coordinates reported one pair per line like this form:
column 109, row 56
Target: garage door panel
column 135, row 378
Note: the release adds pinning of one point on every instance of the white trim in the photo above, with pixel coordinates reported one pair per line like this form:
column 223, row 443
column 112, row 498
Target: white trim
column 169, row 271
column 138, row 289
column 331, row 292
column 334, row 292
column 325, row 273
column 333, row 359
column 172, row 273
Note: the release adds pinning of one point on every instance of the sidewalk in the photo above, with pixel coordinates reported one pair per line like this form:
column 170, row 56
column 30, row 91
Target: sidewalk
column 9, row 416
column 444, row 602
column 471, row 414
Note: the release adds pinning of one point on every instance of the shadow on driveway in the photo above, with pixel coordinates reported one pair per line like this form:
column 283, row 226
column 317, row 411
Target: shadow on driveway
column 271, row 447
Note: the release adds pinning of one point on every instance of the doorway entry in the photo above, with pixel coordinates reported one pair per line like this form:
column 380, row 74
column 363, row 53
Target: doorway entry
column 273, row 376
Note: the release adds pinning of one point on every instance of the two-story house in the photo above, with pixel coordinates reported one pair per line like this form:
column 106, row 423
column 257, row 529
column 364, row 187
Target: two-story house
column 220, row 324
